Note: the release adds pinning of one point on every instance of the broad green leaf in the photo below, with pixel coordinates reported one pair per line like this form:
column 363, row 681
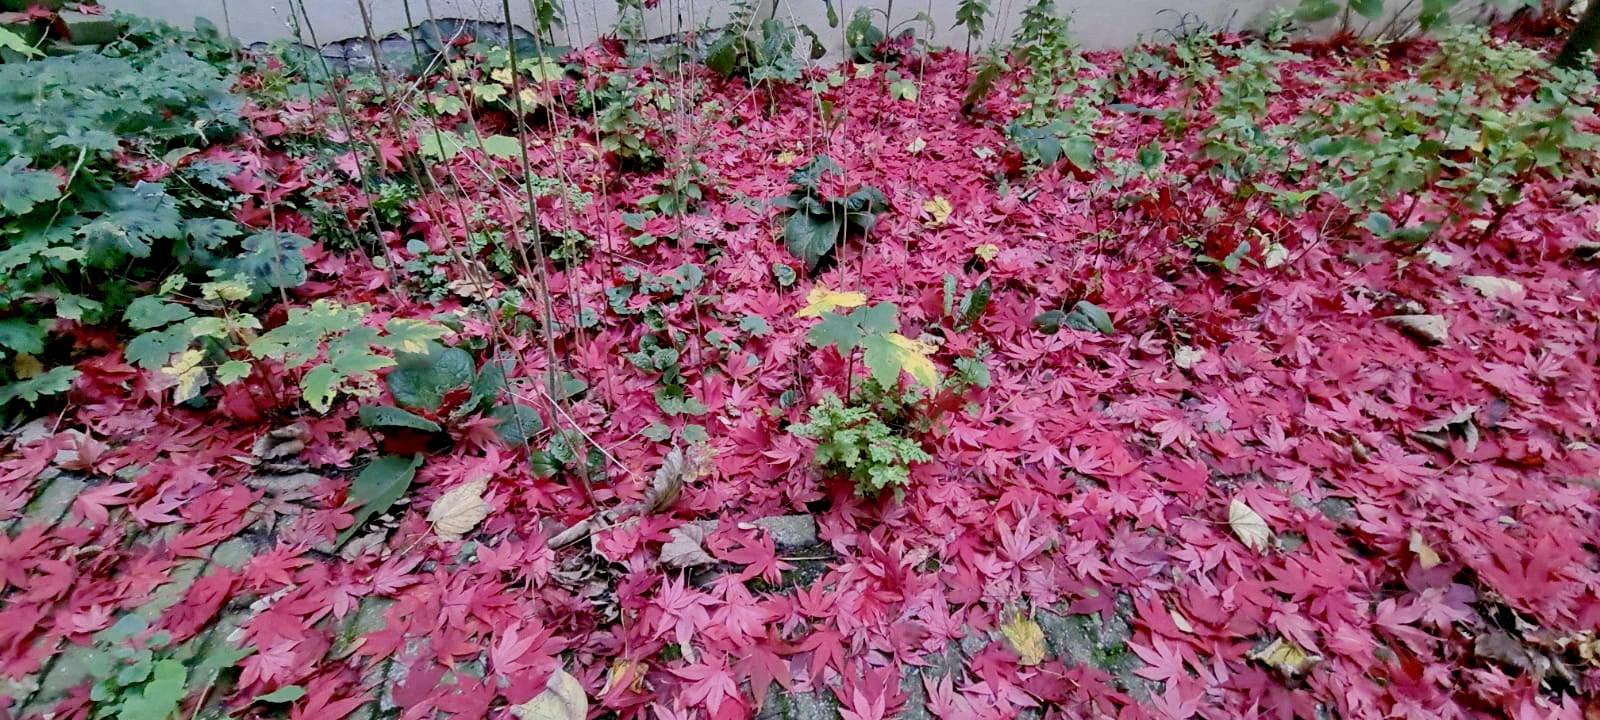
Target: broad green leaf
column 232, row 371
column 22, row 336
column 408, row 335
column 1316, row 10
column 150, row 312
column 1079, row 150
column 318, row 386
column 160, row 697
column 54, row 381
column 12, row 41
column 889, row 354
column 377, row 416
column 811, row 236
column 272, row 260
column 1089, row 317
column 448, row 104
column 130, row 219
column 152, row 350
column 517, row 423
column 1369, row 9
column 842, row 331
column 422, row 380
column 502, row 146
column 290, row 693
column 878, row 318
column 439, row 144
column 21, row 189
column 377, row 487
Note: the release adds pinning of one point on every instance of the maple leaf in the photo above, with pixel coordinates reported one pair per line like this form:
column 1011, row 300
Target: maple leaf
column 1026, row 637
column 761, row 667
column 826, row 648
column 710, row 684
column 820, row 300
column 888, row 354
column 91, row 503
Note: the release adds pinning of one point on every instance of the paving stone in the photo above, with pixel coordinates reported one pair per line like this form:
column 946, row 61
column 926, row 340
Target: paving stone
column 50, row 505
column 234, row 552
column 70, row 669
column 170, row 592
column 916, row 704
column 85, row 29
column 818, row 705
column 790, row 532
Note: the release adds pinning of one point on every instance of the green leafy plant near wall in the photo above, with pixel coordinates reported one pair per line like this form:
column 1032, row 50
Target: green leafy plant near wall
column 80, row 243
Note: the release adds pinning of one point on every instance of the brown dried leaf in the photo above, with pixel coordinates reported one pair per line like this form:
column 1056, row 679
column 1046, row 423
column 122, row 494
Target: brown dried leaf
column 562, row 699
column 680, row 467
column 686, row 548
column 284, row 442
column 460, row 510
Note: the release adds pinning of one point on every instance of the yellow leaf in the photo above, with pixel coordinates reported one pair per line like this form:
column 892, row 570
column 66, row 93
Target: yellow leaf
column 913, row 358
column 1180, row 621
column 562, row 699
column 191, row 377
column 821, row 300
column 1249, row 525
column 625, row 674
column 1493, row 287
column 1286, row 657
column 939, row 209
column 26, row 366
column 1425, row 554
column 987, row 251
column 501, row 75
column 1026, row 638
column 225, row 290
column 460, row 510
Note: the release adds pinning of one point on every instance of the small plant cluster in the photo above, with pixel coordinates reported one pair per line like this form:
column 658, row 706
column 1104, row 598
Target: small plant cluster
column 1061, row 100
column 442, row 388
column 761, row 52
column 817, row 221
column 854, row 441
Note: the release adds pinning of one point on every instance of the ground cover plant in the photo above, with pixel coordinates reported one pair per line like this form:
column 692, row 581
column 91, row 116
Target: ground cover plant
column 1231, row 376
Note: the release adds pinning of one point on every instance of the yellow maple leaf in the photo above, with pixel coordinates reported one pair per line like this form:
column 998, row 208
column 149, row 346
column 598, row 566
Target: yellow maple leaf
column 987, row 251
column 1026, row 637
column 939, row 209
column 501, row 75
column 191, row 377
column 913, row 358
column 821, row 300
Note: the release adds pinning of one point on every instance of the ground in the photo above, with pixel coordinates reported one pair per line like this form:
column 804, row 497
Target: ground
column 1341, row 475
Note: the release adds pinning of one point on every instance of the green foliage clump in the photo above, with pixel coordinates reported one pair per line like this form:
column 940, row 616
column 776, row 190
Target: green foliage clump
column 855, row 441
column 818, row 221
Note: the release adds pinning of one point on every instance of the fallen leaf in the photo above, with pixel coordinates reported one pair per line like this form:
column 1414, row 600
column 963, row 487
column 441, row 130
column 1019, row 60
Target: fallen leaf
column 1026, row 637
column 459, row 510
column 1432, row 328
column 1425, row 554
column 680, row 466
column 1493, row 287
column 685, row 549
column 821, row 300
column 938, row 210
column 1185, row 357
column 562, row 699
column 1286, row 657
column 287, row 441
column 987, row 251
column 1181, row 622
column 1248, row 525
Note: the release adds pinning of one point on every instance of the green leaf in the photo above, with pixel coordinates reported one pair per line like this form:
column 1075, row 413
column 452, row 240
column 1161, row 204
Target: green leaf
column 160, row 697
column 290, row 693
column 22, row 189
column 130, row 219
column 151, row 350
column 841, row 331
column 378, row 416
column 1316, row 10
column 233, row 371
column 319, row 386
column 755, row 325
column 55, row 381
column 504, row 147
column 150, row 312
column 1369, row 9
column 1379, row 224
column 1089, row 317
column 409, row 335
column 422, row 380
column 377, row 487
column 272, row 260
column 1079, row 150
column 440, row 144
column 517, row 423
column 22, row 336
column 811, row 236
column 12, row 41
column 878, row 318
column 1049, row 321
column 491, row 379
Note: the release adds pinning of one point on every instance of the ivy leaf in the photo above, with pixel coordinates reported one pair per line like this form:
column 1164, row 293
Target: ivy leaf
column 422, row 380
column 318, row 386
column 379, row 416
column 889, row 354
column 821, row 300
column 232, row 371
column 22, row 336
column 1079, row 150
column 377, row 487
column 21, row 189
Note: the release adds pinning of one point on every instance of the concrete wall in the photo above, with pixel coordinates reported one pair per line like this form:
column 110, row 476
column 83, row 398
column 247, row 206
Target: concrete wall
column 1095, row 23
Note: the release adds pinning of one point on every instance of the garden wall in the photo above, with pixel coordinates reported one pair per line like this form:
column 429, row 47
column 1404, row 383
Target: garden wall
column 1096, row 23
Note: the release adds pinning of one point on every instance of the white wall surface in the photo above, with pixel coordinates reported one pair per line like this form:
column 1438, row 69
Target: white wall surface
column 1095, row 23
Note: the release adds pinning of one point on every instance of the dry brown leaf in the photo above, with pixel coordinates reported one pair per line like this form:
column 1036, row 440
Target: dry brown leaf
column 1493, row 287
column 460, row 510
column 680, row 467
column 1425, row 554
column 562, row 699
column 1432, row 328
column 1286, row 657
column 284, row 442
column 1026, row 637
column 685, row 547
column 1248, row 525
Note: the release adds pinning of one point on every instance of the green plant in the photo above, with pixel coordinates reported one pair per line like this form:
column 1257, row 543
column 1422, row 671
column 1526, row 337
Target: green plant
column 817, row 221
column 970, row 14
column 442, row 387
column 336, row 352
column 875, row 329
column 869, row 42
column 853, row 441
column 135, row 675
column 624, row 114
column 761, row 52
column 80, row 246
column 1046, row 130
